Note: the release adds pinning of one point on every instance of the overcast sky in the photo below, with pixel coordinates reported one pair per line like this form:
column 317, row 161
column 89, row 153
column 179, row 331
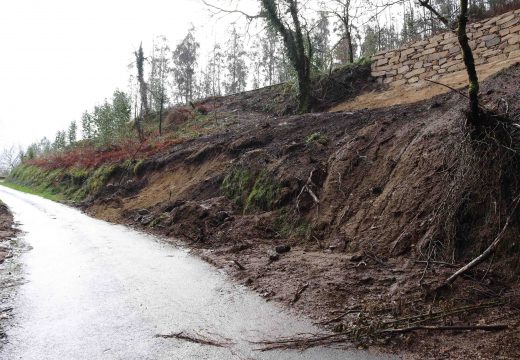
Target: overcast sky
column 61, row 57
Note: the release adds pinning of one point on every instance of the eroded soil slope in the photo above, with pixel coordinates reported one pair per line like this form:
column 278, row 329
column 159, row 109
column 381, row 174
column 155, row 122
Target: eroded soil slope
column 378, row 207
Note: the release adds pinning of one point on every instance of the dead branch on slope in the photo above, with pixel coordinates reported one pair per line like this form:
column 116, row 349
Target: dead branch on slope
column 371, row 329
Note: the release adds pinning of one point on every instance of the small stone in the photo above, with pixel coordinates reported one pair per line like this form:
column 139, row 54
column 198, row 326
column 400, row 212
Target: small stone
column 282, row 249
column 356, row 257
column 143, row 212
column 146, row 220
column 274, row 257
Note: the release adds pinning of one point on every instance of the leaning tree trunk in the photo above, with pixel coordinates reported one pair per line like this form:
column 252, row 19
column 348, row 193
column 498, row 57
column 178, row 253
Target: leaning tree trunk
column 469, row 62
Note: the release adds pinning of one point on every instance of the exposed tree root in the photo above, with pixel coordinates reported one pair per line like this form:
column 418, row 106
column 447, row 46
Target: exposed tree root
column 479, row 259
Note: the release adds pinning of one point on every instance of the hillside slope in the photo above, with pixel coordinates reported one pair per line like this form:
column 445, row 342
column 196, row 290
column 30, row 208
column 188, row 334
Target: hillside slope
column 378, row 206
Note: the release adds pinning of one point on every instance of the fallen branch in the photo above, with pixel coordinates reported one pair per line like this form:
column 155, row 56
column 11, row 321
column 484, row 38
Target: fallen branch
column 435, row 262
column 479, row 259
column 449, row 87
column 445, row 328
column 308, row 188
column 239, row 265
column 301, row 342
column 458, row 92
column 377, row 329
column 338, row 318
column 197, row 339
column 299, row 293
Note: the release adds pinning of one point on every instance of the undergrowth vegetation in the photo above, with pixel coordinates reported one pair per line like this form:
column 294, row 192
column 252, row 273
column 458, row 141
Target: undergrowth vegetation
column 74, row 184
column 249, row 190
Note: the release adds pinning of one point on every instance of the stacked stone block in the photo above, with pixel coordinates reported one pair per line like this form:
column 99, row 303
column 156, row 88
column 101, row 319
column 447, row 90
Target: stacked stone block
column 491, row 40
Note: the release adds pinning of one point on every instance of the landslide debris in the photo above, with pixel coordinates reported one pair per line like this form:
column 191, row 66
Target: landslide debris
column 377, row 206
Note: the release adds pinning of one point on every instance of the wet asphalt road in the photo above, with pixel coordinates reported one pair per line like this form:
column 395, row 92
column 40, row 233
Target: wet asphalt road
column 94, row 290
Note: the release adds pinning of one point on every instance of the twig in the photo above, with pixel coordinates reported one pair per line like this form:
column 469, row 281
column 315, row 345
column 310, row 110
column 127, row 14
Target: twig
column 239, row 265
column 299, row 293
column 197, row 339
column 307, row 188
column 449, row 87
column 338, row 318
column 458, row 92
column 445, row 328
column 437, row 263
column 376, row 259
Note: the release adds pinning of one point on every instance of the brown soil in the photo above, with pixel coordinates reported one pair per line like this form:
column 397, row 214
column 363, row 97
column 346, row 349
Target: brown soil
column 422, row 90
column 6, row 232
column 398, row 210
column 8, row 276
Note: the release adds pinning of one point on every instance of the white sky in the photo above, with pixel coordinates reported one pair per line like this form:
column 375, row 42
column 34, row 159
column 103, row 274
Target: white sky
column 61, row 57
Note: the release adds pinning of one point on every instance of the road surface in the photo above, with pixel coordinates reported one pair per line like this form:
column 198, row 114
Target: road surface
column 94, row 290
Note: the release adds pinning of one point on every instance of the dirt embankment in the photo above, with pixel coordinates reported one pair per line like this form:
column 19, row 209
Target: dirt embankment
column 8, row 275
column 7, row 231
column 378, row 208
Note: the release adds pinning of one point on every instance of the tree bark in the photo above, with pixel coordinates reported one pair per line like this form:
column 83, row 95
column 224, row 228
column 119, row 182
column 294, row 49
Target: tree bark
column 161, row 112
column 295, row 46
column 469, row 62
column 474, row 117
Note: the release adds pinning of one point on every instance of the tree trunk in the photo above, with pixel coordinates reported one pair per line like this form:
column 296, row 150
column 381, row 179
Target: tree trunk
column 304, row 87
column 138, row 125
column 350, row 48
column 161, row 112
column 469, row 62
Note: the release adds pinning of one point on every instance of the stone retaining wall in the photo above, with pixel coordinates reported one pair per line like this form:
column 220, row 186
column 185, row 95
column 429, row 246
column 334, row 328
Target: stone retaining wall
column 492, row 40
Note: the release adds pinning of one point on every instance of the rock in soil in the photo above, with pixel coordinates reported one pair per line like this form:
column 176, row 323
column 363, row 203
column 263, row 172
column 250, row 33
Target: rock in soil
column 282, row 249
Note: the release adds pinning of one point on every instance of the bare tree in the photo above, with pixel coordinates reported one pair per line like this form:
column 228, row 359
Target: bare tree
column 345, row 11
column 474, row 117
column 285, row 17
column 9, row 158
column 160, row 71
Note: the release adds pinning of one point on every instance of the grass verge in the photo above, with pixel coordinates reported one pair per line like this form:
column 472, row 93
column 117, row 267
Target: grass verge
column 27, row 190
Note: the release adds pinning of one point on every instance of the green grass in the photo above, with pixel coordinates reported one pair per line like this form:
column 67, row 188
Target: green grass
column 317, row 137
column 25, row 189
column 74, row 184
column 250, row 190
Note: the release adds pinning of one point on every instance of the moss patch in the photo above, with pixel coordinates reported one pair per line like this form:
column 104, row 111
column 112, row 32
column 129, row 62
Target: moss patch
column 74, row 183
column 250, row 190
